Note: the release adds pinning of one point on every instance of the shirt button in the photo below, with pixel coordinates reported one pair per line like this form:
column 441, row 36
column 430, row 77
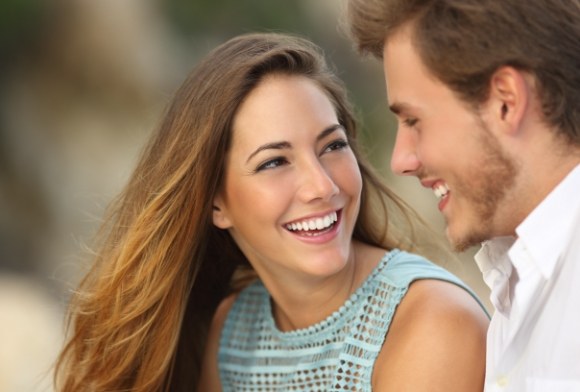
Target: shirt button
column 502, row 381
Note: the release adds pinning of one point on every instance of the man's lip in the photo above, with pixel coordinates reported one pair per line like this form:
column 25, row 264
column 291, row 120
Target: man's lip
column 431, row 183
column 443, row 202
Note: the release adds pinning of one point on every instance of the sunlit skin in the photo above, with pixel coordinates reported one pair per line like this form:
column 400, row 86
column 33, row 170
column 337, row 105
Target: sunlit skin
column 446, row 145
column 290, row 162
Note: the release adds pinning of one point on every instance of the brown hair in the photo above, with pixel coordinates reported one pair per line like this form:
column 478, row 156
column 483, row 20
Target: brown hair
column 463, row 42
column 140, row 317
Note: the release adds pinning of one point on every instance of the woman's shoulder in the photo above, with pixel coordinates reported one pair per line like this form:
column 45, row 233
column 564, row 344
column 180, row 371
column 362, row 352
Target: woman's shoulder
column 436, row 341
column 209, row 377
column 430, row 300
column 223, row 309
column 219, row 319
column 241, row 310
column 404, row 267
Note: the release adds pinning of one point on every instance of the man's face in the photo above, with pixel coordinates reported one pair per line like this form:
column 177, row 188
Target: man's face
column 448, row 147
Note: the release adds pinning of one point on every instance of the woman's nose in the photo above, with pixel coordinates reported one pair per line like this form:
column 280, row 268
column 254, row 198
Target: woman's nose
column 317, row 183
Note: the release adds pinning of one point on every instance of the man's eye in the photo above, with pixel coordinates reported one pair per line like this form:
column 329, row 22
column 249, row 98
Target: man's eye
column 410, row 122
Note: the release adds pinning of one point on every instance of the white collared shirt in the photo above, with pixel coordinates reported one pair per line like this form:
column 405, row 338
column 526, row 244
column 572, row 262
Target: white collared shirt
column 534, row 336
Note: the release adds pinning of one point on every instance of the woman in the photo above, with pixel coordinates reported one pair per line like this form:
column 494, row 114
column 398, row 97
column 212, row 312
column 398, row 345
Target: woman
column 251, row 205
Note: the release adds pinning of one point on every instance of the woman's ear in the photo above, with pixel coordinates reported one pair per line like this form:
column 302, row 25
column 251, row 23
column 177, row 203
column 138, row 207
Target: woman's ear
column 509, row 98
column 219, row 214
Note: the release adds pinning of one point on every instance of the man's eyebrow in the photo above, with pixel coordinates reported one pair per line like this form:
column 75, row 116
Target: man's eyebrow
column 397, row 107
column 282, row 145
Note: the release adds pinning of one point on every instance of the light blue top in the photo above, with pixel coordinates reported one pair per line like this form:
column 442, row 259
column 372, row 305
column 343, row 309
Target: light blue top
column 337, row 354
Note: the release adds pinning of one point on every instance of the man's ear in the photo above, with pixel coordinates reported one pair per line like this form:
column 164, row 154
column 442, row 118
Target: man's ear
column 509, row 98
column 219, row 214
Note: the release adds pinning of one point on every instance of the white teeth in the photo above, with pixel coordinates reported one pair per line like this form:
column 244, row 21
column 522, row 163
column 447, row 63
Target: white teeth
column 319, row 223
column 314, row 224
column 441, row 191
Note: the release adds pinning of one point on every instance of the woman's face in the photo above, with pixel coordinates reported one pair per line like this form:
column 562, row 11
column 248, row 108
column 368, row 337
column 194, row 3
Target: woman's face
column 292, row 188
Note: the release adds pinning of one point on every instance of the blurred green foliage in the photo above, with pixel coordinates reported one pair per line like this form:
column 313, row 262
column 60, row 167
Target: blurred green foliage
column 20, row 22
column 230, row 17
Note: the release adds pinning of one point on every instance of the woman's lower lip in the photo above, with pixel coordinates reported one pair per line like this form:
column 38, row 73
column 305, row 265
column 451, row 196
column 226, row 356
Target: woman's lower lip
column 319, row 236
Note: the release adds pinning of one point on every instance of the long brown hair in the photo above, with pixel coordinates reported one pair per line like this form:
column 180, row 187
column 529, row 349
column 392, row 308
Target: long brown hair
column 463, row 42
column 140, row 316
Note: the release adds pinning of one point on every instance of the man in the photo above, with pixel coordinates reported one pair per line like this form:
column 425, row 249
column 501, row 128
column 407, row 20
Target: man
column 487, row 96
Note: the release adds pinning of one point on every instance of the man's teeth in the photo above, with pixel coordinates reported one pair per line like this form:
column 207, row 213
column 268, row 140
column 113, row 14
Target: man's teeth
column 441, row 191
column 314, row 224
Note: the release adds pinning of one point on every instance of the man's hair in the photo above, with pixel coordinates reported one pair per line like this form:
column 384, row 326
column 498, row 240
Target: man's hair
column 463, row 42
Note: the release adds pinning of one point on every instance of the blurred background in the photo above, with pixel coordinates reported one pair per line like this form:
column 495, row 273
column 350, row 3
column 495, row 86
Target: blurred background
column 82, row 84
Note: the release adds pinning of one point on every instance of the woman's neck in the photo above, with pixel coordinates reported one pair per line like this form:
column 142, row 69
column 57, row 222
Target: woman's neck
column 300, row 305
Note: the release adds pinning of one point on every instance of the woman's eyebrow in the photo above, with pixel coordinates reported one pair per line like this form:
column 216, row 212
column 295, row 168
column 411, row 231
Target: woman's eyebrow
column 281, row 145
column 328, row 130
column 269, row 146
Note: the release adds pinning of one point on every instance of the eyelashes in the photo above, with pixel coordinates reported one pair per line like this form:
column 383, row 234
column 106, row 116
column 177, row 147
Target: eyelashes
column 410, row 122
column 271, row 164
column 337, row 145
column 278, row 161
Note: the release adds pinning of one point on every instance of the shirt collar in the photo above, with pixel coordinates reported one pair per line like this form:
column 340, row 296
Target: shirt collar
column 544, row 233
column 496, row 268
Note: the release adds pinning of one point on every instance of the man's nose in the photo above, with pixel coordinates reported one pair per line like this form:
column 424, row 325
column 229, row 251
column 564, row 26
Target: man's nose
column 404, row 160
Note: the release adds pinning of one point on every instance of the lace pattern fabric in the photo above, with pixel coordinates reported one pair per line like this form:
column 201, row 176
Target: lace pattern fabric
column 337, row 354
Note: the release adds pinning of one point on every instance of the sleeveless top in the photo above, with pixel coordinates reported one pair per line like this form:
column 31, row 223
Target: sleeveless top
column 337, row 354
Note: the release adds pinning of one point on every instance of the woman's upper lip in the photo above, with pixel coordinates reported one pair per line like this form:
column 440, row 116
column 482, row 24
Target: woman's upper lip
column 314, row 216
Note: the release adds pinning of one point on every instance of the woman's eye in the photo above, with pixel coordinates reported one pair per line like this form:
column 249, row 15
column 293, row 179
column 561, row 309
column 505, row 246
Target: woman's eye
column 336, row 145
column 271, row 164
